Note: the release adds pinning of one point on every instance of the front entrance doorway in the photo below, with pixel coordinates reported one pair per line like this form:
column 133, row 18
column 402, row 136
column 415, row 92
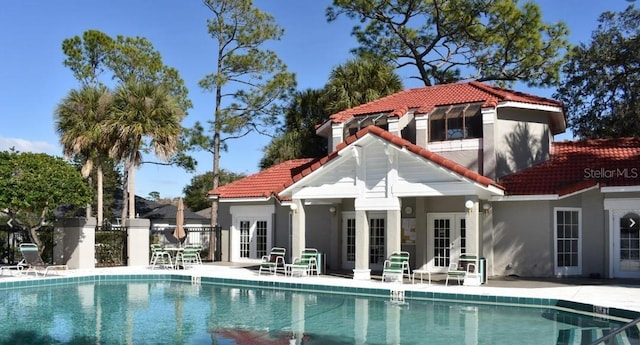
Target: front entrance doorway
column 446, row 239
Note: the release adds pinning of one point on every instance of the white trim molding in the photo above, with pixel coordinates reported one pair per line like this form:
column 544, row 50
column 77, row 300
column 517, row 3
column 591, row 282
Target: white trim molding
column 522, row 105
column 454, row 145
column 567, row 270
column 621, row 204
column 620, row 189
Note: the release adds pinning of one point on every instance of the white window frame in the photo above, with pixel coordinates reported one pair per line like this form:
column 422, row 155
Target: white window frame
column 346, row 216
column 455, row 238
column 371, row 215
column 566, row 270
column 617, row 208
column 350, row 215
column 253, row 214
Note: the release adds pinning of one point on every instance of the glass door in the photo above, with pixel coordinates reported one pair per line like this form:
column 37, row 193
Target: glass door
column 627, row 261
column 253, row 235
column 377, row 242
column 348, row 240
column 446, row 239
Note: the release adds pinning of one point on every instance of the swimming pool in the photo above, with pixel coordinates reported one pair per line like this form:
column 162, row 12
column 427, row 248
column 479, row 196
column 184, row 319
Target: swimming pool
column 168, row 310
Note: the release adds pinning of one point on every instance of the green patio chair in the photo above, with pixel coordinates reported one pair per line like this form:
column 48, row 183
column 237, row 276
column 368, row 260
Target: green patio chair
column 187, row 257
column 396, row 266
column 160, row 257
column 33, row 261
column 305, row 265
column 198, row 249
column 273, row 261
column 455, row 271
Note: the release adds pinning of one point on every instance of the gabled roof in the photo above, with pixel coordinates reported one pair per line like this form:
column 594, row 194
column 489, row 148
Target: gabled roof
column 270, row 182
column 264, row 184
column 578, row 165
column 400, row 143
column 423, row 100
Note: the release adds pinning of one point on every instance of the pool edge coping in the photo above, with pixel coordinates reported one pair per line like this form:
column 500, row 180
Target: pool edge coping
column 560, row 304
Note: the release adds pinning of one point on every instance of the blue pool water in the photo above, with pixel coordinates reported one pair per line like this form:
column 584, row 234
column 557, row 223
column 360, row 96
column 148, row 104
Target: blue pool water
column 171, row 312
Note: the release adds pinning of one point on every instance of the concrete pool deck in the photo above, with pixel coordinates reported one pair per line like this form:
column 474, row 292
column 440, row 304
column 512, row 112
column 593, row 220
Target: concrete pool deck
column 608, row 293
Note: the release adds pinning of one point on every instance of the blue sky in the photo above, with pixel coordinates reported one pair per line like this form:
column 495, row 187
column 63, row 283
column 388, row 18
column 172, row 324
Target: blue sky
column 34, row 80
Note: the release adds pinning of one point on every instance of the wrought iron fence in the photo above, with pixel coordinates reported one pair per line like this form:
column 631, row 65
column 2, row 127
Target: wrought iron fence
column 12, row 236
column 111, row 246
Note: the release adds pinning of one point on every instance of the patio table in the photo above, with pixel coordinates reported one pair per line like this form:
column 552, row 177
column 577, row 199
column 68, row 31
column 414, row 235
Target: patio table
column 421, row 272
column 174, row 252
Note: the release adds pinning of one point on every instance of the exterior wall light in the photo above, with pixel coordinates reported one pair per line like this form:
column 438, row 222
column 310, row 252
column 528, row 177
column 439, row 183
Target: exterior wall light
column 332, row 209
column 469, row 205
column 486, row 208
column 294, row 208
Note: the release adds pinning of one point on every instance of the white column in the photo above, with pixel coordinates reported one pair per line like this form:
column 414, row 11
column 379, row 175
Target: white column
column 394, row 231
column 488, row 237
column 297, row 318
column 298, row 228
column 138, row 241
column 362, row 320
column 474, row 236
column 362, row 270
column 393, row 324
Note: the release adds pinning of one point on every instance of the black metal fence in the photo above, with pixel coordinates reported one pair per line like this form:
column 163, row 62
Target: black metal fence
column 110, row 242
column 111, row 246
column 12, row 236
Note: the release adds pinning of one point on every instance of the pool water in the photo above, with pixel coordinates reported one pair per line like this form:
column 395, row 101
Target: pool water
column 182, row 313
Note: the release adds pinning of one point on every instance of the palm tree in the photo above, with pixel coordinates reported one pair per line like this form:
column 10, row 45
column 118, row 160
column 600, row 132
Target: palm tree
column 356, row 82
column 79, row 120
column 360, row 81
column 143, row 111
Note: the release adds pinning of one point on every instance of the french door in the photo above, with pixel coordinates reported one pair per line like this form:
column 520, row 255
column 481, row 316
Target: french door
column 348, row 240
column 446, row 240
column 626, row 261
column 377, row 241
column 253, row 238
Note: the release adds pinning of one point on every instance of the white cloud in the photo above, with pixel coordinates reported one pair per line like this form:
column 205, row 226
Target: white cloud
column 23, row 145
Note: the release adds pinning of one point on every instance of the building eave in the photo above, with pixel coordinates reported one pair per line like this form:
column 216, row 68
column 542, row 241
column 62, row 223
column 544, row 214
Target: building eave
column 620, row 189
column 244, row 200
column 543, row 197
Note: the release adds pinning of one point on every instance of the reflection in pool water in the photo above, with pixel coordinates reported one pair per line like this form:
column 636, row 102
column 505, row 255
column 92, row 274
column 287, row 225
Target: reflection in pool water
column 182, row 313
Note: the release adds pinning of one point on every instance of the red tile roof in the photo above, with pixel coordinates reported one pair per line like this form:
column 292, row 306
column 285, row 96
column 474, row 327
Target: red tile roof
column 577, row 165
column 423, row 100
column 264, row 184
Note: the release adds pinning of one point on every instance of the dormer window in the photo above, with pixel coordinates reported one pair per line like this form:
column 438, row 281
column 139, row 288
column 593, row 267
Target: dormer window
column 360, row 122
column 455, row 122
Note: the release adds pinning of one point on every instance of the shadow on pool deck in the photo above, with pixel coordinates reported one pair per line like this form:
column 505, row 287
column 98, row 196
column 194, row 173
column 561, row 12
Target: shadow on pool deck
column 498, row 281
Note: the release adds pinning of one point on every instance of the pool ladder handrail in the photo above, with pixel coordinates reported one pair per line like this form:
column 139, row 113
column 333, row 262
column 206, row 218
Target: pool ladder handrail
column 616, row 332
